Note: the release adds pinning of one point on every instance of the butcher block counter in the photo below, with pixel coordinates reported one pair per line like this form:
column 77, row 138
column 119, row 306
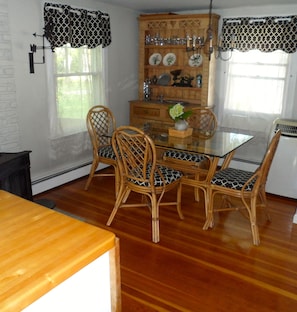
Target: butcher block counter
column 45, row 255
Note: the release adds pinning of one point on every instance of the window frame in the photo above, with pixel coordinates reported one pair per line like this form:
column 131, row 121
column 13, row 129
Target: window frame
column 56, row 127
column 288, row 111
column 258, row 125
column 240, row 69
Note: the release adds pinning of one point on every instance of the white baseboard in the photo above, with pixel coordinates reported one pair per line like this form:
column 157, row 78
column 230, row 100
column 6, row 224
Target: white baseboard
column 58, row 180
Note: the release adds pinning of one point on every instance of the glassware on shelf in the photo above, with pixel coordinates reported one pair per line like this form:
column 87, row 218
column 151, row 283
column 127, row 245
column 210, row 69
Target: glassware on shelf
column 147, row 91
column 199, row 81
column 157, row 40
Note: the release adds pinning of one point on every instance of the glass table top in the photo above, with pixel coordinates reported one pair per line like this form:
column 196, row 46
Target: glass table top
column 219, row 144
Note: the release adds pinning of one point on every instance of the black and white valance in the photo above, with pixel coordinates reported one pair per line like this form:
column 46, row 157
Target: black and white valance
column 266, row 34
column 79, row 27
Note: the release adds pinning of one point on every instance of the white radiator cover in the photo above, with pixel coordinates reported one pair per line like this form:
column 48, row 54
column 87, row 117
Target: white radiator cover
column 282, row 178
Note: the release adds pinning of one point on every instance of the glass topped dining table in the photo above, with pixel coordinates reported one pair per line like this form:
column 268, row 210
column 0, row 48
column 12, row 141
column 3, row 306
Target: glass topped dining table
column 221, row 144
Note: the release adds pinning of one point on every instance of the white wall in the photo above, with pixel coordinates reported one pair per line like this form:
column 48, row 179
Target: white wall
column 9, row 134
column 31, row 92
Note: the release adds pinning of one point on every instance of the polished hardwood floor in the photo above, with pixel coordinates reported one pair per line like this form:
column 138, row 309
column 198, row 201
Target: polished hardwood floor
column 191, row 269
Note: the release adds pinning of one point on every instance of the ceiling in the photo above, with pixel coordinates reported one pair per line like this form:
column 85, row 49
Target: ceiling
column 154, row 6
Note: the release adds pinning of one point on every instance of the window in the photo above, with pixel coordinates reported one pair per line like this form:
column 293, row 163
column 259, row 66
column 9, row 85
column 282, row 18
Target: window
column 257, row 88
column 257, row 82
column 78, row 85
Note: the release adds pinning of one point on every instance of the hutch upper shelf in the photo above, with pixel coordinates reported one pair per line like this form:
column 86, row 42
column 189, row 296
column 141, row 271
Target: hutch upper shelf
column 174, row 59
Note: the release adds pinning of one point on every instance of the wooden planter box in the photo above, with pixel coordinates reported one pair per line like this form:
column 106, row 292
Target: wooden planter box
column 180, row 133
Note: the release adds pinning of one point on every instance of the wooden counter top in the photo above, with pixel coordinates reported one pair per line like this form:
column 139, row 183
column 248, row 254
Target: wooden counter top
column 40, row 248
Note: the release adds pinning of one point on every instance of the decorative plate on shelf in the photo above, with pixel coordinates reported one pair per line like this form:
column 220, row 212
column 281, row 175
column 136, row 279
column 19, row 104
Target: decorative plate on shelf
column 169, row 59
column 195, row 60
column 155, row 59
column 164, row 79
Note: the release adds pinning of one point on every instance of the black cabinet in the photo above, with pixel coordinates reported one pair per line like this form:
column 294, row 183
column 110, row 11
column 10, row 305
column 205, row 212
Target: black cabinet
column 15, row 174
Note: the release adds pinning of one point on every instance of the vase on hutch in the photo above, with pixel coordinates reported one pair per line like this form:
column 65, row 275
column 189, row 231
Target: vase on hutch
column 181, row 125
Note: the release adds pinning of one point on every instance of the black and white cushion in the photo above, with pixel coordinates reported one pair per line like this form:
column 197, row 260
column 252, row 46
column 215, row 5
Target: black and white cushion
column 168, row 174
column 233, row 178
column 106, row 152
column 180, row 155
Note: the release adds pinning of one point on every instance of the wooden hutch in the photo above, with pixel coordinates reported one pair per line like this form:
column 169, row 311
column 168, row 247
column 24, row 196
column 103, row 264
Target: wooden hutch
column 174, row 63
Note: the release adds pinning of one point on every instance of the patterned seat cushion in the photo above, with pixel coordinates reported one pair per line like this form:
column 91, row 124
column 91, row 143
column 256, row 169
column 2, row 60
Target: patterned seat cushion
column 107, row 152
column 233, row 178
column 184, row 156
column 170, row 175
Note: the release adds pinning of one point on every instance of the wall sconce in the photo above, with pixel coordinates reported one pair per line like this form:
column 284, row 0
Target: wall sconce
column 219, row 51
column 34, row 48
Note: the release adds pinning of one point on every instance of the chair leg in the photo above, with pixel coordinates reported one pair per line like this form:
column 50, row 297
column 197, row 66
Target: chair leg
column 253, row 220
column 209, row 203
column 196, row 189
column 196, row 194
column 91, row 174
column 122, row 194
column 178, row 204
column 126, row 196
column 206, row 201
column 262, row 195
column 255, row 234
column 155, row 219
column 116, row 180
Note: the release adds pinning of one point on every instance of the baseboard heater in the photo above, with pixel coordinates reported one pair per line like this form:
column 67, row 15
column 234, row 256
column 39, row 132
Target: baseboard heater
column 50, row 182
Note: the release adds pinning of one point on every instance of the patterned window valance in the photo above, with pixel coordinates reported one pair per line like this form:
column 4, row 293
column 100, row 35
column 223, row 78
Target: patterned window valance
column 79, row 27
column 266, row 34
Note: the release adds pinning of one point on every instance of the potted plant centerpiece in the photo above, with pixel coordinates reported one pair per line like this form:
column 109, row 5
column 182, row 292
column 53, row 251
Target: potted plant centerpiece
column 177, row 113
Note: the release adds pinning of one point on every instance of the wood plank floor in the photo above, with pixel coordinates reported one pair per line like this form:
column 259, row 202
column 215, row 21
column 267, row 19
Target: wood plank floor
column 191, row 269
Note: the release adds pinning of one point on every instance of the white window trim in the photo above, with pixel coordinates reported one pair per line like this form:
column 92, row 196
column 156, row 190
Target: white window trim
column 290, row 97
column 255, row 150
column 52, row 107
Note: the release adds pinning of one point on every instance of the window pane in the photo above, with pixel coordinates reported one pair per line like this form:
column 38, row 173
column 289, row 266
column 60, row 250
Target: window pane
column 251, row 95
column 256, row 70
column 74, row 94
column 256, row 82
column 79, row 60
column 78, row 85
column 258, row 57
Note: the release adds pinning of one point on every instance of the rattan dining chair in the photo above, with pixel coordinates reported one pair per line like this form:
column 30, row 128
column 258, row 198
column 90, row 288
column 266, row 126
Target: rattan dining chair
column 137, row 163
column 204, row 122
column 101, row 124
column 249, row 187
